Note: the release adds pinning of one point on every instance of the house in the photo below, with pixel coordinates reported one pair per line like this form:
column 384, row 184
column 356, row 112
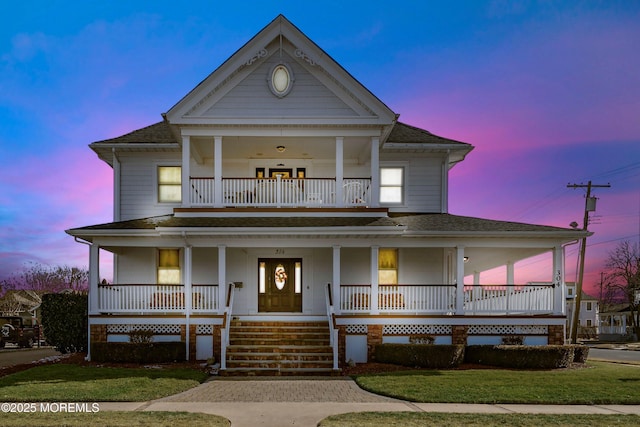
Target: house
column 589, row 315
column 616, row 323
column 281, row 218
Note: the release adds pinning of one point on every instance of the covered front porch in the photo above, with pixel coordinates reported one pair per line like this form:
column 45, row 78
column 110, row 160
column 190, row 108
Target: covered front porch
column 351, row 275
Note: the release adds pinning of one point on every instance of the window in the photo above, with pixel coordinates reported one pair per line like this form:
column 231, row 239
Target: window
column 391, row 185
column 388, row 266
column 570, row 291
column 168, row 266
column 169, row 184
column 589, row 322
column 589, row 306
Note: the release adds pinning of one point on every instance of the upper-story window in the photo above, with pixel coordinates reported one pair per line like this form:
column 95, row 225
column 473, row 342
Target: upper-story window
column 169, row 184
column 168, row 266
column 392, row 185
column 589, row 306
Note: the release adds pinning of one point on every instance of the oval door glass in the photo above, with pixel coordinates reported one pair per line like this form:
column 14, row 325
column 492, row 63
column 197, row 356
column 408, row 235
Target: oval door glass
column 280, row 276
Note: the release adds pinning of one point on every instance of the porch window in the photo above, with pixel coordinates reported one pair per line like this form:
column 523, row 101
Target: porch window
column 388, row 266
column 169, row 184
column 168, row 266
column 392, row 185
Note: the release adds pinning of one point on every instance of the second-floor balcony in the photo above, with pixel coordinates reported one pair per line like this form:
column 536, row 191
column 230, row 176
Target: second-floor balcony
column 279, row 192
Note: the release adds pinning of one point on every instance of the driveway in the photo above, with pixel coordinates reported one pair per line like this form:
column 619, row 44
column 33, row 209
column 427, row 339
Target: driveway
column 21, row 356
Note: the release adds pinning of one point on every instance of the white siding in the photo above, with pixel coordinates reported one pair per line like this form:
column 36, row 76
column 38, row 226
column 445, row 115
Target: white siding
column 420, row 266
column 136, row 266
column 423, row 186
column 252, row 97
column 138, row 188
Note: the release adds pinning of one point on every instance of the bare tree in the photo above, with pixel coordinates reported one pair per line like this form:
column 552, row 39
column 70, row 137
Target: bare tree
column 44, row 279
column 623, row 278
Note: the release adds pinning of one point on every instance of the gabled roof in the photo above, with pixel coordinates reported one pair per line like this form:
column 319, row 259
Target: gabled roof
column 158, row 137
column 279, row 40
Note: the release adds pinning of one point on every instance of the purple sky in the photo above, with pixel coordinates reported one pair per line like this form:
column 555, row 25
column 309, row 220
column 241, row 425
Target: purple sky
column 547, row 92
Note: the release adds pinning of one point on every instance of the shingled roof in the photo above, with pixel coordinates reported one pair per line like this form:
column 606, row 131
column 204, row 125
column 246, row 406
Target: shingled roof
column 425, row 224
column 156, row 133
column 406, row 134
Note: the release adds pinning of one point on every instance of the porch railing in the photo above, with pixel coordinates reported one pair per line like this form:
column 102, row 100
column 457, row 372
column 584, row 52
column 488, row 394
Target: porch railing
column 136, row 298
column 399, row 298
column 441, row 299
column 224, row 334
column 333, row 332
column 508, row 299
column 280, row 192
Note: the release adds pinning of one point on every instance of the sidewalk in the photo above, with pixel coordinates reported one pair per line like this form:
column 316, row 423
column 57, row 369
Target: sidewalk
column 273, row 402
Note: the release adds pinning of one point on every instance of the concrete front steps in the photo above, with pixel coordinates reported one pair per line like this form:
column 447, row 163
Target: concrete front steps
column 279, row 348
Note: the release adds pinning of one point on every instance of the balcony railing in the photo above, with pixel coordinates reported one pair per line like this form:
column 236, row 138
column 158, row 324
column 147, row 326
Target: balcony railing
column 280, row 192
column 441, row 299
column 156, row 298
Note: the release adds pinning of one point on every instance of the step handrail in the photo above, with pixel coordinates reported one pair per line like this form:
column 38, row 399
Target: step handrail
column 227, row 325
column 333, row 332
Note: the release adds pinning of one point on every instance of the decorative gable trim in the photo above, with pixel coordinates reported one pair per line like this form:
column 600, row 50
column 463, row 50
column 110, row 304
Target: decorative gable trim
column 368, row 109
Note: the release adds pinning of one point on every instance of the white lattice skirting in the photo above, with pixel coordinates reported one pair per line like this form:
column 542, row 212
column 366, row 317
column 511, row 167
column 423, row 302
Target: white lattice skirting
column 416, row 330
column 508, row 330
column 157, row 329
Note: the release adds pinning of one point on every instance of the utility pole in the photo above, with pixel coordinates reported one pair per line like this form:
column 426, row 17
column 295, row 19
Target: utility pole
column 589, row 206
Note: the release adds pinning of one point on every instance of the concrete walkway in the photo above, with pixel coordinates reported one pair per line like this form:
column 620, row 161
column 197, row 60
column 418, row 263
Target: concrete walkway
column 274, row 402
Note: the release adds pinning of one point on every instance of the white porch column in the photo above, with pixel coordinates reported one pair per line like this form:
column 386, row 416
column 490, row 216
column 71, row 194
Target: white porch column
column 187, row 294
column 339, row 170
column 186, row 171
column 476, row 278
column 559, row 306
column 335, row 288
column 459, row 280
column 510, row 274
column 94, row 278
column 374, row 279
column 510, row 283
column 217, row 171
column 375, row 172
column 222, row 278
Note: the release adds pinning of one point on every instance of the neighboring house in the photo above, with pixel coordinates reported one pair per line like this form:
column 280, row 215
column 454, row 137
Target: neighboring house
column 589, row 321
column 282, row 204
column 23, row 303
column 616, row 323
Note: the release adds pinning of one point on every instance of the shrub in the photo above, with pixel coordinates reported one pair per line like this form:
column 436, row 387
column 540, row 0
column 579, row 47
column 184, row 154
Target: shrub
column 521, row 356
column 580, row 353
column 120, row 352
column 513, row 340
column 420, row 355
column 141, row 336
column 64, row 319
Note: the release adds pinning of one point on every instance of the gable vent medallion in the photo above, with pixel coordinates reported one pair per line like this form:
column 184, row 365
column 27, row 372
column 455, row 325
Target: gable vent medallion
column 280, row 80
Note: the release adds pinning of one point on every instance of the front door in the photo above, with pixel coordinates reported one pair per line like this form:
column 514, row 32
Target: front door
column 280, row 285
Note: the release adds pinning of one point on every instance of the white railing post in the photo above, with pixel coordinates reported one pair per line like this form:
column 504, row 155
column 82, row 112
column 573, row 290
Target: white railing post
column 224, row 339
column 333, row 332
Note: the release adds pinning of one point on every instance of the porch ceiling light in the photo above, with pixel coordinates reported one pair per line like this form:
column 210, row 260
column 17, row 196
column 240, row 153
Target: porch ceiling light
column 281, row 148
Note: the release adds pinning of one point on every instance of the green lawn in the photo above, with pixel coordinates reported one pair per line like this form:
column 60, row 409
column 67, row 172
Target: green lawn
column 115, row 419
column 73, row 383
column 599, row 383
column 420, row 419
